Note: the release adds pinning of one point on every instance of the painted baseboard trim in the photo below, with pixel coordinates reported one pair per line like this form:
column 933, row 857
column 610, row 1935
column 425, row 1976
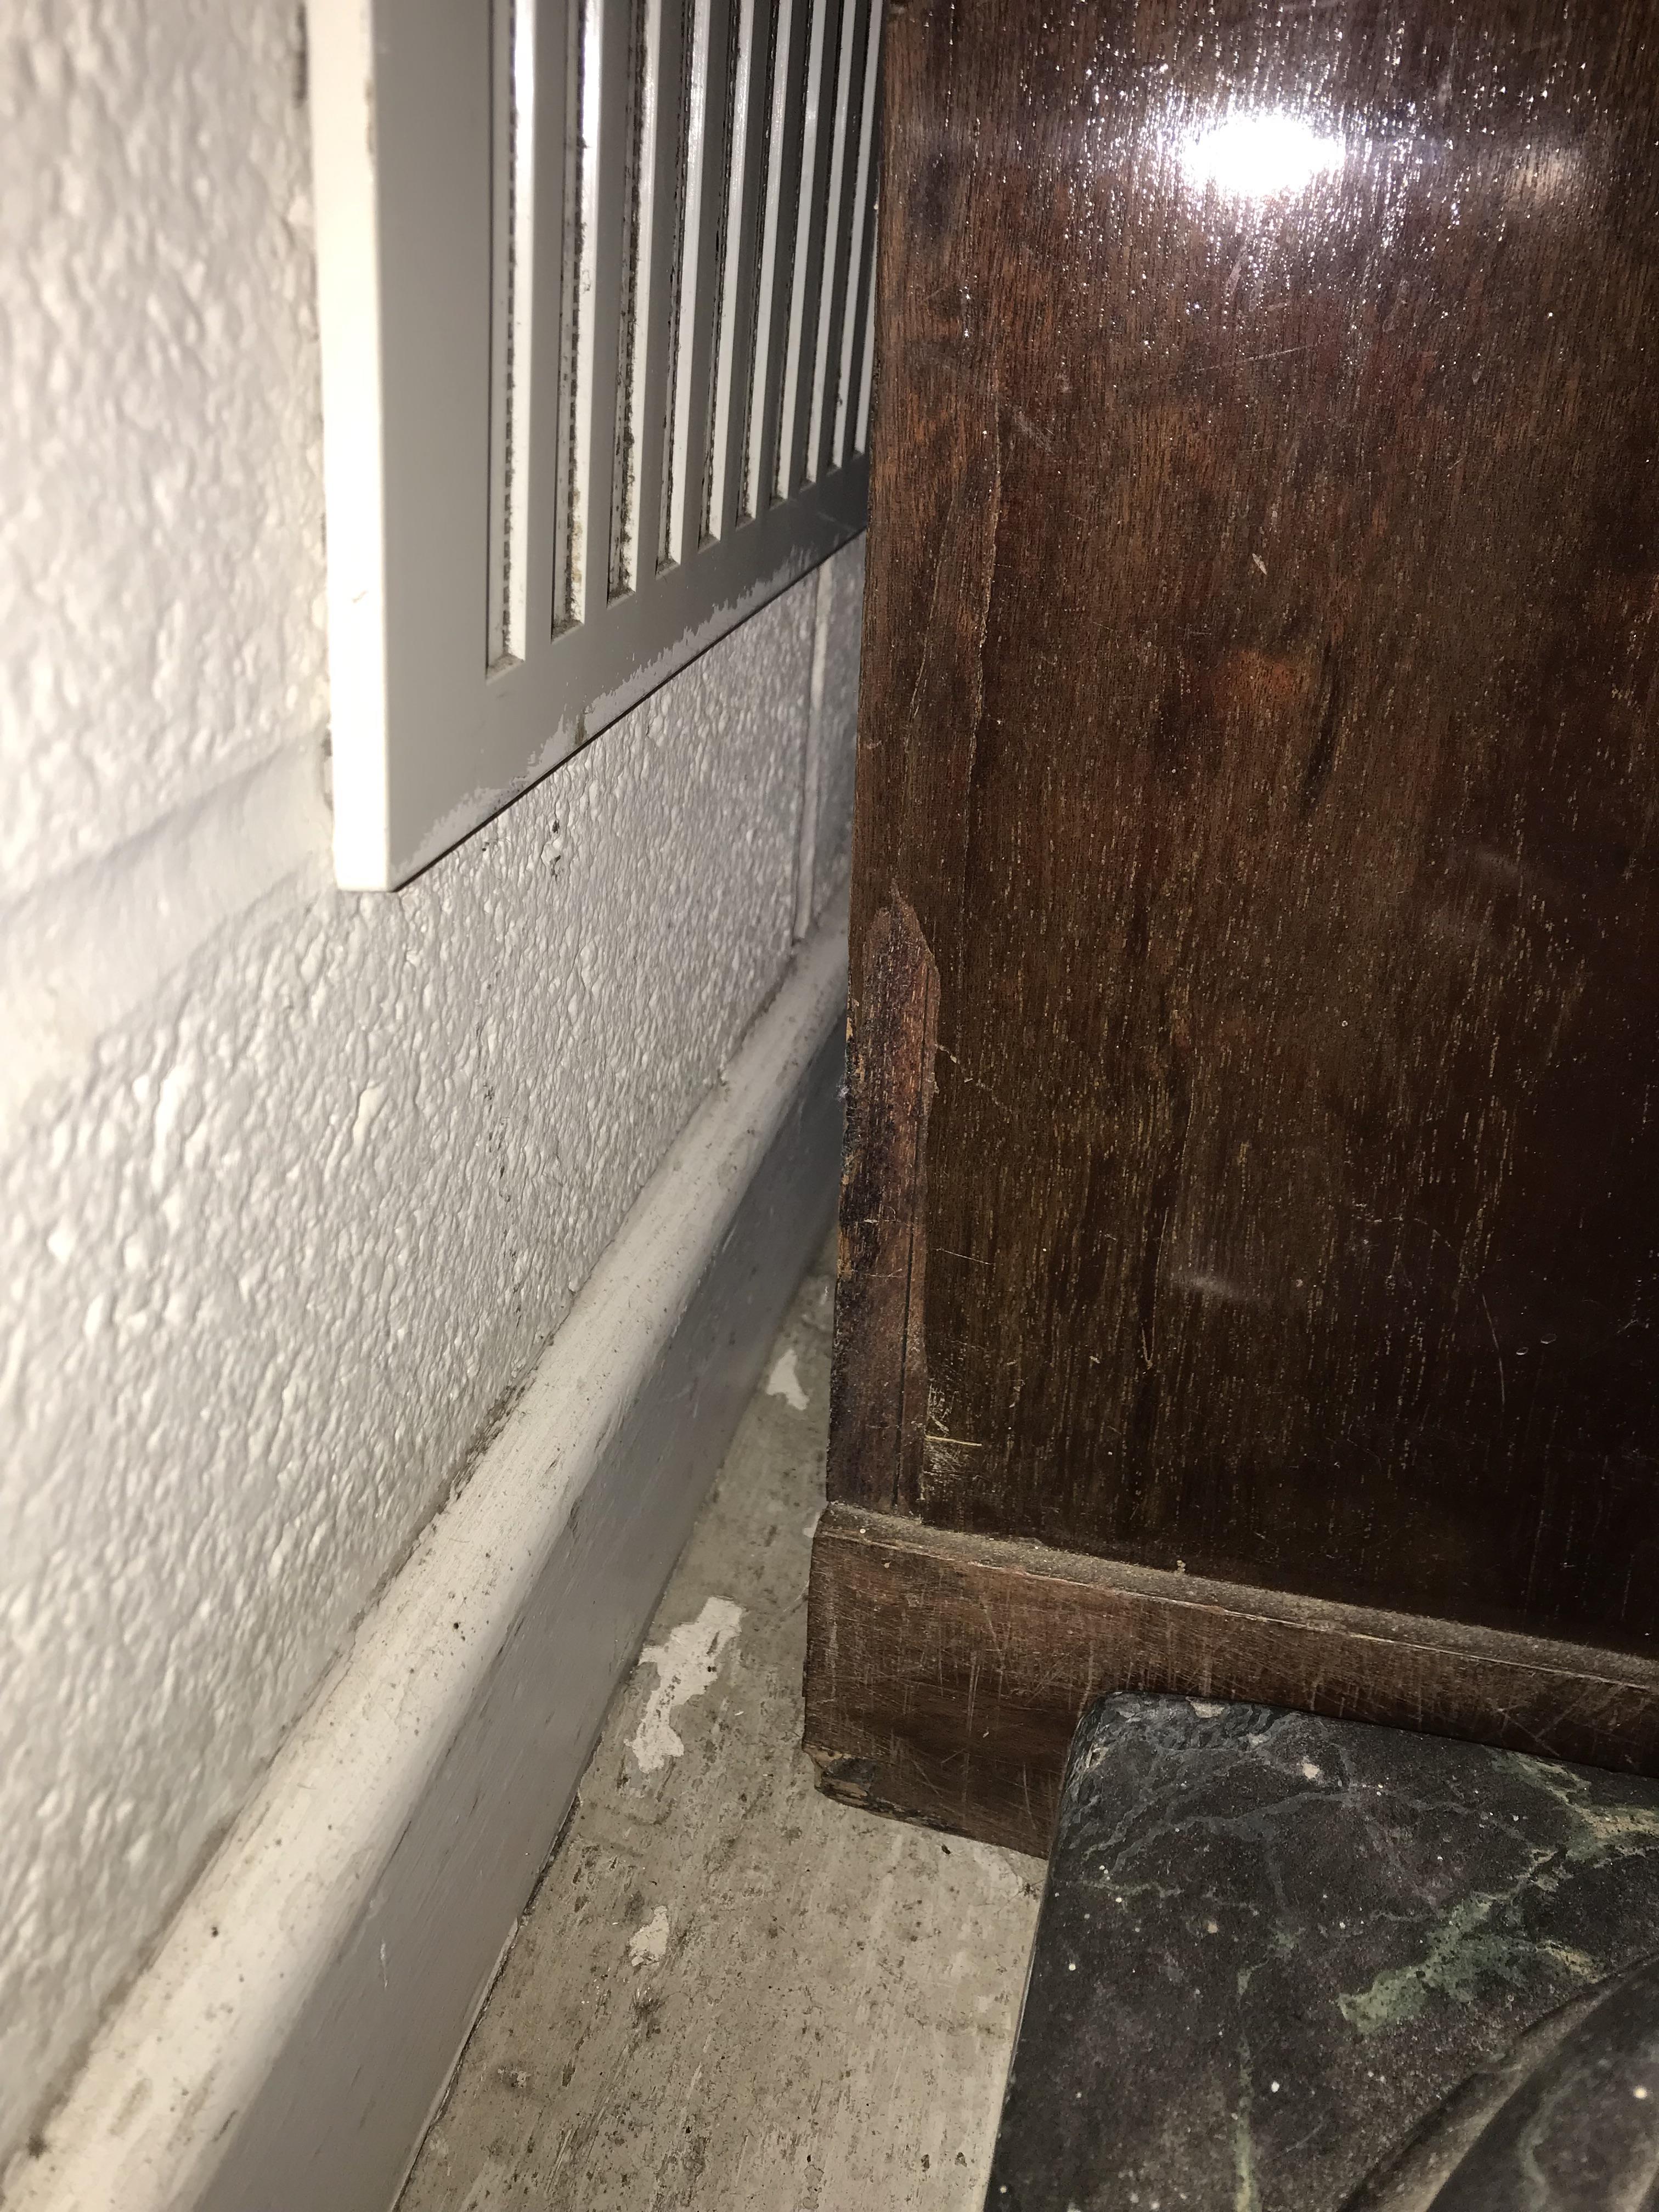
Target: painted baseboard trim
column 286, row 2048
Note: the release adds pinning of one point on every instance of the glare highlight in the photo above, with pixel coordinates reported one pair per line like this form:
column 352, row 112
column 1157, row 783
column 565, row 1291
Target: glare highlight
column 1259, row 154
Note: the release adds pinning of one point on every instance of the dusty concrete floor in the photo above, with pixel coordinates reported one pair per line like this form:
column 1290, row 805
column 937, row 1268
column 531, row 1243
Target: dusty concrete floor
column 727, row 1991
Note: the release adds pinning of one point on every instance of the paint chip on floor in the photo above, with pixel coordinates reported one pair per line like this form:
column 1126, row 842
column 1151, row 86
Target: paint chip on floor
column 648, row 1946
column 686, row 1665
column 1001, row 1873
column 783, row 1381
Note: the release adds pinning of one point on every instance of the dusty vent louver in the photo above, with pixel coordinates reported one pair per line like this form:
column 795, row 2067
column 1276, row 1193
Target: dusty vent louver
column 595, row 300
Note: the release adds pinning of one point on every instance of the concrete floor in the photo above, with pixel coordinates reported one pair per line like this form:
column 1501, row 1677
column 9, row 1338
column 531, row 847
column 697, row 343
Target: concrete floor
column 727, row 1991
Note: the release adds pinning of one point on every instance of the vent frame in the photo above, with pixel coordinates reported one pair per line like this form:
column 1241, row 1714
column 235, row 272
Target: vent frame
column 551, row 406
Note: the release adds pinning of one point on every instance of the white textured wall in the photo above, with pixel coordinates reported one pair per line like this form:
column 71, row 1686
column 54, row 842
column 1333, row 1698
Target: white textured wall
column 293, row 1185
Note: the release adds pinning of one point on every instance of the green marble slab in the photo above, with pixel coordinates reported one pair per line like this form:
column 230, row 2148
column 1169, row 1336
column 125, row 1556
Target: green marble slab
column 1272, row 1946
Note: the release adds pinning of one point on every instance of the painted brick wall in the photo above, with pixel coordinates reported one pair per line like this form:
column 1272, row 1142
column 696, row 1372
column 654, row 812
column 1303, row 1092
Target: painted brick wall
column 293, row 1185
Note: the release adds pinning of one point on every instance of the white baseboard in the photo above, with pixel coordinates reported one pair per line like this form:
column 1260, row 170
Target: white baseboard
column 286, row 2048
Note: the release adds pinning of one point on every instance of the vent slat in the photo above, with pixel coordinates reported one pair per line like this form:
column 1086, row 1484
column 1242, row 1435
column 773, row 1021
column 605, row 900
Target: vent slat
column 502, row 181
column 716, row 148
column 802, row 304
column 836, row 226
column 595, row 392
column 863, row 219
column 657, row 233
column 737, row 322
column 687, row 436
column 609, row 165
column 644, row 99
column 575, row 366
column 771, row 283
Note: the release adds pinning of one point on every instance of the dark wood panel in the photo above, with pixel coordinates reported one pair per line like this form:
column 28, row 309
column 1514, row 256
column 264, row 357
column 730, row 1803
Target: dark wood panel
column 945, row 1673
column 879, row 1364
column 1259, row 677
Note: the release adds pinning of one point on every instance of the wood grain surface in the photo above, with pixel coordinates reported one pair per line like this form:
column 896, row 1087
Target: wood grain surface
column 1256, row 731
column 880, row 1373
column 946, row 1673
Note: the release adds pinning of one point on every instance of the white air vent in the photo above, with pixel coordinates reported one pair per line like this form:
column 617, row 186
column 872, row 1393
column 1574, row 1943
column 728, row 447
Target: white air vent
column 595, row 288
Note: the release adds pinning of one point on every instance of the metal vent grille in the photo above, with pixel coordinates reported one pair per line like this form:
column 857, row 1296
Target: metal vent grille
column 619, row 257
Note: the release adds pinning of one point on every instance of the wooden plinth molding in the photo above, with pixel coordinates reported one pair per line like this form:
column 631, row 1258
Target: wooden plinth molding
column 945, row 1673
